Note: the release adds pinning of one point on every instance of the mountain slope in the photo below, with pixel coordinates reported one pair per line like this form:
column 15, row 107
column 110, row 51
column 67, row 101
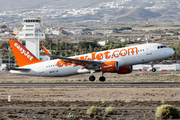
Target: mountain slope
column 137, row 14
column 14, row 4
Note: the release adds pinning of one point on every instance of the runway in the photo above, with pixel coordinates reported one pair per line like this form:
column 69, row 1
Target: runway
column 91, row 84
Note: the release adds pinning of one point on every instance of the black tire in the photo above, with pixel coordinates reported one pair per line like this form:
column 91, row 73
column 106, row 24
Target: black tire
column 102, row 79
column 92, row 78
column 154, row 70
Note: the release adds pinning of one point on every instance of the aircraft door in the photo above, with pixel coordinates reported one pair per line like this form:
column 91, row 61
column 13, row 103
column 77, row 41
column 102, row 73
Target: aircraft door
column 41, row 69
column 148, row 50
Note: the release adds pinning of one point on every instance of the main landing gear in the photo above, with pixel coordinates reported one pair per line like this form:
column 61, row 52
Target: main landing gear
column 102, row 78
column 153, row 69
column 92, row 77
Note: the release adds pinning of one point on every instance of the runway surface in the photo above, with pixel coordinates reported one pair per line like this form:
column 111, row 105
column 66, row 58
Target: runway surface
column 175, row 84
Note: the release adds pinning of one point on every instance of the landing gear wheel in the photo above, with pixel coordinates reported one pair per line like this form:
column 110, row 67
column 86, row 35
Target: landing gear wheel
column 154, row 70
column 102, row 79
column 92, row 78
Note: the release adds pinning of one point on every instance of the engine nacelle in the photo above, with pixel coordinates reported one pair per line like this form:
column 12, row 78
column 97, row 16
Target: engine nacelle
column 124, row 70
column 116, row 67
column 111, row 66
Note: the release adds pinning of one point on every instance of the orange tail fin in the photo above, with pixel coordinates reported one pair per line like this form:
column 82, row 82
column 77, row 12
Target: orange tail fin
column 22, row 55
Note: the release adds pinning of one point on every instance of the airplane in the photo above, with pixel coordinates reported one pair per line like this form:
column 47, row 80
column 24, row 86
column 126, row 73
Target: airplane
column 118, row 61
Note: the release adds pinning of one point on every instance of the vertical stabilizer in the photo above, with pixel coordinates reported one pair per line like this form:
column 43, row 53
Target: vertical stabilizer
column 22, row 55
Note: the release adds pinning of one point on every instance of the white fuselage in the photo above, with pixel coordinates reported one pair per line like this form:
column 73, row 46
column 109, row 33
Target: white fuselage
column 129, row 55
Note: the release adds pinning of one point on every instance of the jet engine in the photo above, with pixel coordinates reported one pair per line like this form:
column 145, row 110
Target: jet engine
column 115, row 67
column 124, row 70
column 111, row 66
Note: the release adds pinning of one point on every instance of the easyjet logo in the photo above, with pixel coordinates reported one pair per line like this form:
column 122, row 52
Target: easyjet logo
column 22, row 51
column 101, row 56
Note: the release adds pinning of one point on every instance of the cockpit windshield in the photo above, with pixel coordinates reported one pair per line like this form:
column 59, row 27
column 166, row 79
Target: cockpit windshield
column 162, row 46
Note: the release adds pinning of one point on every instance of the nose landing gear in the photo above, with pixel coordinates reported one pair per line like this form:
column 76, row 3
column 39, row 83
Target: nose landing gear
column 153, row 69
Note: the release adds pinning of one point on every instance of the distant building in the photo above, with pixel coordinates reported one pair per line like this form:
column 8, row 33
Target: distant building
column 123, row 40
column 169, row 33
column 138, row 38
column 95, row 32
column 16, row 32
column 56, row 32
column 103, row 43
column 6, row 62
column 78, row 32
column 159, row 67
column 7, row 33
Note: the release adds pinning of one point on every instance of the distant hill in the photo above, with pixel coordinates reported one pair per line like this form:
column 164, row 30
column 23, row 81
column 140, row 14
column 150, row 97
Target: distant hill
column 137, row 14
column 157, row 11
column 14, row 4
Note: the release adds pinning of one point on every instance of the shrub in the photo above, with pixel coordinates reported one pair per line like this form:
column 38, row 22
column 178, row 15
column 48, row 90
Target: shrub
column 71, row 115
column 104, row 101
column 166, row 112
column 93, row 110
column 110, row 110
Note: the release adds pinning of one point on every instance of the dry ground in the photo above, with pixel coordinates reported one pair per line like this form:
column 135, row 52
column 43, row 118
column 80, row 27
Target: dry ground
column 110, row 77
column 86, row 96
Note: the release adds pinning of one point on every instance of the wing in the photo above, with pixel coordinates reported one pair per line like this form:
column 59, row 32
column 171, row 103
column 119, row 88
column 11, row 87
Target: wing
column 87, row 64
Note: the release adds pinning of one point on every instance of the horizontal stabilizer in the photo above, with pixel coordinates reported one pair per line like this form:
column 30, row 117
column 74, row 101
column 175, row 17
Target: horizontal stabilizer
column 20, row 69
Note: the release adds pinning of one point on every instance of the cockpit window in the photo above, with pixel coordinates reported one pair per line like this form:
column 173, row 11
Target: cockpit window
column 162, row 46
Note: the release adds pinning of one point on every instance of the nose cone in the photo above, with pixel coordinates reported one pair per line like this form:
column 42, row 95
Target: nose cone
column 171, row 52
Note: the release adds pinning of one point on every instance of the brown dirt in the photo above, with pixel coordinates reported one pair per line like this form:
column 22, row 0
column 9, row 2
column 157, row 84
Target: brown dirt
column 135, row 76
column 87, row 96
column 90, row 94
